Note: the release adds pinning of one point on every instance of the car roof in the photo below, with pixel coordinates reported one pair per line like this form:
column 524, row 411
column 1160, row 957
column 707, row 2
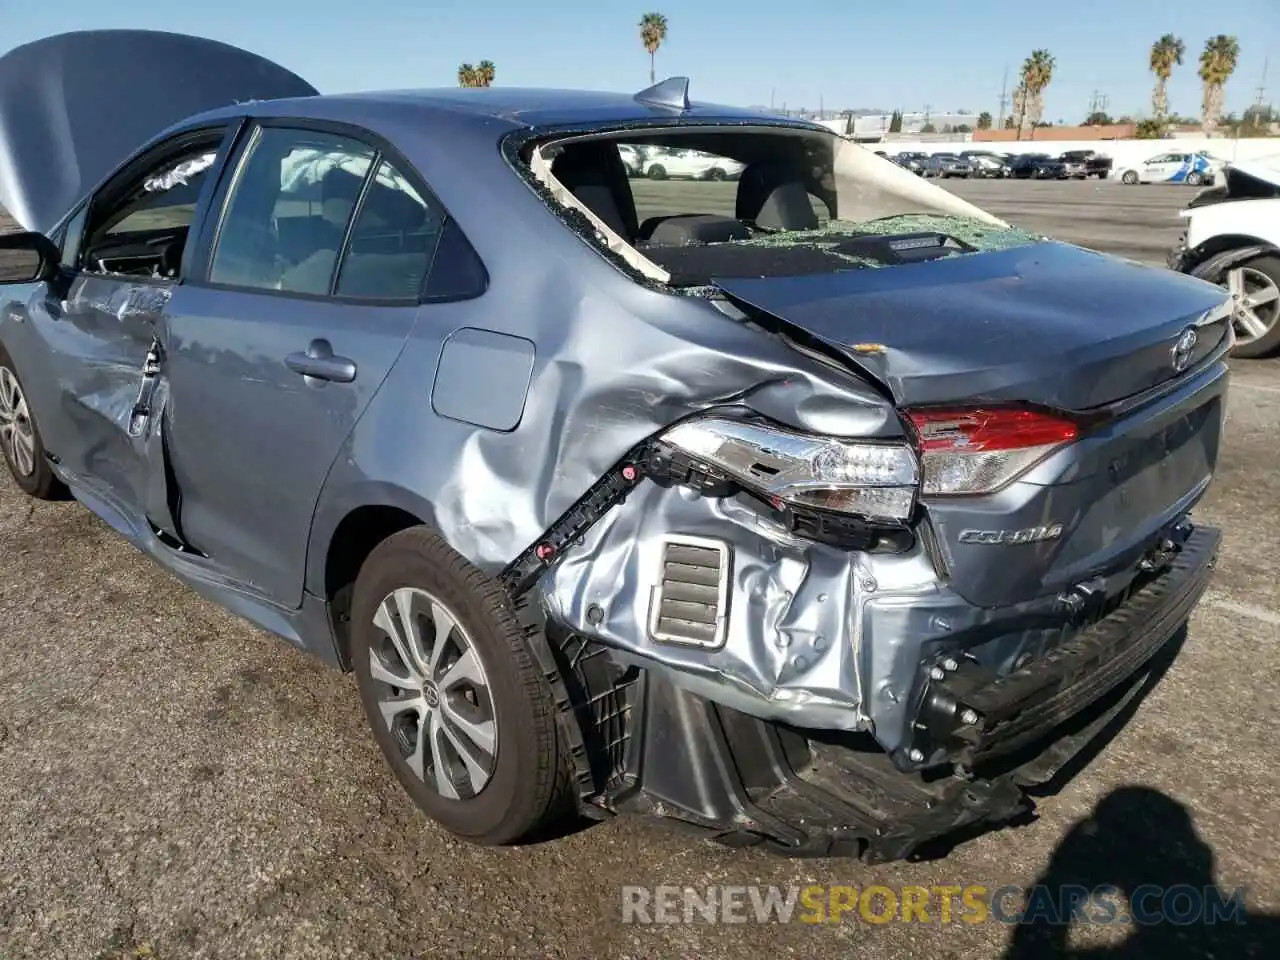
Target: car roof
column 510, row 107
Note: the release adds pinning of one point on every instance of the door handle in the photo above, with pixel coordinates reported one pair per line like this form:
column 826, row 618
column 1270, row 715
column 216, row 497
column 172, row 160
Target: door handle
column 320, row 363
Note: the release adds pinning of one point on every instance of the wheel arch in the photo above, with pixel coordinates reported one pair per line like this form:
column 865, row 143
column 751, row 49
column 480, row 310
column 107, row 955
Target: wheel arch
column 1212, row 258
column 342, row 537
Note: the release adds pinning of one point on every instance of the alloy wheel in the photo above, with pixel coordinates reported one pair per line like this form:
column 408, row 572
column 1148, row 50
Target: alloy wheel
column 16, row 432
column 435, row 700
column 1257, row 303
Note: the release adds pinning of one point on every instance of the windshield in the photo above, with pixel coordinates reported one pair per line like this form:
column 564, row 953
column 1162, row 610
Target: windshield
column 686, row 205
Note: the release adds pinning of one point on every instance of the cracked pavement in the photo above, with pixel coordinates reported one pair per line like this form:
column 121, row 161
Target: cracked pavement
column 178, row 784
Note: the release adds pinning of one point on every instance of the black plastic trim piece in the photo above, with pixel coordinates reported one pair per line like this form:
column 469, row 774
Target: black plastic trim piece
column 610, row 490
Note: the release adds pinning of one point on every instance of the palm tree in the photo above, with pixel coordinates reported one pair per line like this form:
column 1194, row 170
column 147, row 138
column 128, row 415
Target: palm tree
column 1037, row 71
column 653, row 30
column 481, row 76
column 1019, row 108
column 1217, row 63
column 1166, row 53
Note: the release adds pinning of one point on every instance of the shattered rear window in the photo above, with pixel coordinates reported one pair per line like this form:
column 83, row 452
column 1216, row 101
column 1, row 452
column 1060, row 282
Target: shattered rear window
column 684, row 205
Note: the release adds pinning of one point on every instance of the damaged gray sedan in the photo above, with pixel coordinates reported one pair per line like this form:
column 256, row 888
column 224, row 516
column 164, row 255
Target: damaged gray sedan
column 827, row 512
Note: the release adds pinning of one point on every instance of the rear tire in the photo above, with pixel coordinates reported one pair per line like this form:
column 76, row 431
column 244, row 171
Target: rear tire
column 1130, row 177
column 657, row 172
column 475, row 744
column 20, row 440
column 1259, row 276
column 1194, row 179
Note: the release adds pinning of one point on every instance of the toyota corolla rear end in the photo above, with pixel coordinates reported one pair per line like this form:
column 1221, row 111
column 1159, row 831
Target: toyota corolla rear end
column 859, row 644
column 854, row 624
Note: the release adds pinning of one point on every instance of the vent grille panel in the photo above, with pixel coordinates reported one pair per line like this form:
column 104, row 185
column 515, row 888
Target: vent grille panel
column 689, row 604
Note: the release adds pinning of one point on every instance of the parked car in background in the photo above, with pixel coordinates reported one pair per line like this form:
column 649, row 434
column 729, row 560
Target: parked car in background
column 946, row 166
column 664, row 163
column 971, row 154
column 1232, row 238
column 911, row 161
column 1193, row 169
column 1072, row 166
column 1036, row 166
column 1082, row 164
column 633, row 158
column 987, row 166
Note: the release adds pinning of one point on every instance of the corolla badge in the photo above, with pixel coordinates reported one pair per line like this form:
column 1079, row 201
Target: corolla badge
column 1183, row 348
column 1011, row 537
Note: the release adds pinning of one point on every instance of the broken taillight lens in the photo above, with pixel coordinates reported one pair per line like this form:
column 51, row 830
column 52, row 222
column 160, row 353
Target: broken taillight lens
column 976, row 450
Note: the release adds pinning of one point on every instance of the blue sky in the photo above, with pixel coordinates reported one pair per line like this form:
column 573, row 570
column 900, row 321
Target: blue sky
column 944, row 53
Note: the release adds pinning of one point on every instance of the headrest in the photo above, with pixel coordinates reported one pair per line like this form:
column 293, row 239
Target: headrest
column 394, row 208
column 338, row 192
column 588, row 163
column 773, row 197
column 787, row 207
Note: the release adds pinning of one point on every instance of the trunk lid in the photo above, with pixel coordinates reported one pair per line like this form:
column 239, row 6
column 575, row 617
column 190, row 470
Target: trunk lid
column 1048, row 324
column 76, row 105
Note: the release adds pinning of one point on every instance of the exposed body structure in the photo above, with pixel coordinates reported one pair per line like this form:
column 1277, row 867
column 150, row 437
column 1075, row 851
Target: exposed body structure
column 829, row 521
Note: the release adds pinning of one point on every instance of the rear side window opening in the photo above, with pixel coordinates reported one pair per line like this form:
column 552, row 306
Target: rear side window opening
column 682, row 205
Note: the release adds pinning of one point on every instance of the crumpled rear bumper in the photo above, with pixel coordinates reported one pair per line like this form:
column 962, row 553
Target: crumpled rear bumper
column 654, row 747
column 966, row 716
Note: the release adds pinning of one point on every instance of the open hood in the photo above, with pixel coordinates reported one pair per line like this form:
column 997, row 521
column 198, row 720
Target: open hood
column 1047, row 324
column 76, row 105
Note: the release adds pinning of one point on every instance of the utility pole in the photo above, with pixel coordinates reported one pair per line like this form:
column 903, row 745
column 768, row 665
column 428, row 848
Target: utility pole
column 772, row 91
column 1262, row 87
column 1098, row 103
column 1004, row 99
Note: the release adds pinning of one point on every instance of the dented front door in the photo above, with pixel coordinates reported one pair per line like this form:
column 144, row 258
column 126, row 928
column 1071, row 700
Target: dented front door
column 108, row 343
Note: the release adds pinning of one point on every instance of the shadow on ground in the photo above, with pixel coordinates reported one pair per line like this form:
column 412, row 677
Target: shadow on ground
column 1142, row 845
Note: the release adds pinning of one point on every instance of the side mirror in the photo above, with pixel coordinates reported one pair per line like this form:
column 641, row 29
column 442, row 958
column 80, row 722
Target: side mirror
column 27, row 258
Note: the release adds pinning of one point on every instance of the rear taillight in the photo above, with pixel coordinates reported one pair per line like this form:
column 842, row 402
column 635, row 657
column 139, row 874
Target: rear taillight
column 973, row 451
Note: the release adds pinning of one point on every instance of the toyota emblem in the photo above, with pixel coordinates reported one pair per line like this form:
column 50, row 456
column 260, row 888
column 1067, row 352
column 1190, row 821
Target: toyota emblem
column 1183, row 349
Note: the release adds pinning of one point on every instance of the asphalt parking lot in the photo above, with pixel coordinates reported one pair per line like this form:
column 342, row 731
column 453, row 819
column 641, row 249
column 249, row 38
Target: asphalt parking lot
column 178, row 784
